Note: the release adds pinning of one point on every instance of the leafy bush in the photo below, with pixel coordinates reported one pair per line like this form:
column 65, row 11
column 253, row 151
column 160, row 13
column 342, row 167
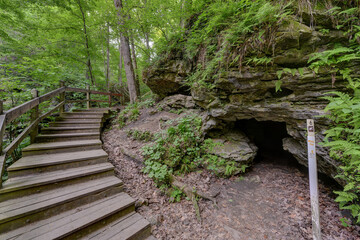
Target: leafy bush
column 129, row 114
column 343, row 136
column 182, row 149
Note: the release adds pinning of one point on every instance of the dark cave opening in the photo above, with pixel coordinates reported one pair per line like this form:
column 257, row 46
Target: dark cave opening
column 268, row 136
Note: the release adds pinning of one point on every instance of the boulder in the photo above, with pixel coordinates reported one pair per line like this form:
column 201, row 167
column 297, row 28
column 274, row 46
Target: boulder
column 234, row 146
column 167, row 77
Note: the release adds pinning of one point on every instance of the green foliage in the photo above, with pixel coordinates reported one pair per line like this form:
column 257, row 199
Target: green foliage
column 130, row 114
column 177, row 150
column 135, row 134
column 224, row 32
column 182, row 149
column 176, row 194
column 343, row 139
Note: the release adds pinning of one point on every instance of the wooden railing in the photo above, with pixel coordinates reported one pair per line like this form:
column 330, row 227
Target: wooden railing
column 33, row 106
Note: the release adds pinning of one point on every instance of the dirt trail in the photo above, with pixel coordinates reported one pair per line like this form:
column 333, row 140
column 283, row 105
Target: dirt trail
column 271, row 201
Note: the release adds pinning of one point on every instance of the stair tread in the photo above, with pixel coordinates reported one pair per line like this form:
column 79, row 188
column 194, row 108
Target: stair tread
column 73, row 220
column 81, row 116
column 122, row 229
column 57, row 135
column 55, row 159
column 78, row 121
column 17, row 183
column 56, row 145
column 16, row 208
column 70, row 128
column 85, row 113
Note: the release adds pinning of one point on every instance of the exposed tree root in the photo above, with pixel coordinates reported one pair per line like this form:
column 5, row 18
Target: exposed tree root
column 192, row 194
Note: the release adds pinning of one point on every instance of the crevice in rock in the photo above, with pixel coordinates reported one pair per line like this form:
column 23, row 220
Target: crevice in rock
column 281, row 93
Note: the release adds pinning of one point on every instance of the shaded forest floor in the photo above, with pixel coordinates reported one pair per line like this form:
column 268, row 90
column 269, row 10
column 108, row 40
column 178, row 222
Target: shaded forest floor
column 270, row 201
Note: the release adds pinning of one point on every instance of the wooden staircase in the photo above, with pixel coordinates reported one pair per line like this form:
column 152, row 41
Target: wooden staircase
column 64, row 188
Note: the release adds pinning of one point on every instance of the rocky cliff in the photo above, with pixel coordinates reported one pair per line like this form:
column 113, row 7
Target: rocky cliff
column 250, row 92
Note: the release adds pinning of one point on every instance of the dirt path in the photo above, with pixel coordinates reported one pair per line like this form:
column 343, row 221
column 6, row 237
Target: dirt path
column 271, row 201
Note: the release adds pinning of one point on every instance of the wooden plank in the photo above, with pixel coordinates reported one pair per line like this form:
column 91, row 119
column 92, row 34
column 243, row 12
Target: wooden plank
column 51, row 222
column 14, row 144
column 56, row 159
column 79, row 218
column 19, row 183
column 85, row 100
column 51, row 94
column 23, row 108
column 59, row 145
column 17, row 211
column 83, row 219
column 69, row 89
column 20, row 110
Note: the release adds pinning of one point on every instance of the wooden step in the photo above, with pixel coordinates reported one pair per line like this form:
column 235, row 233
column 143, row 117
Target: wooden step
column 66, row 137
column 59, row 147
column 53, row 162
column 82, row 115
column 76, row 124
column 77, row 120
column 21, row 186
column 71, row 221
column 102, row 110
column 70, row 129
column 19, row 212
column 131, row 226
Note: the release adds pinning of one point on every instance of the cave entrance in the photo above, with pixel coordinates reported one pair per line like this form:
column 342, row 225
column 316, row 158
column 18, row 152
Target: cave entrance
column 268, row 136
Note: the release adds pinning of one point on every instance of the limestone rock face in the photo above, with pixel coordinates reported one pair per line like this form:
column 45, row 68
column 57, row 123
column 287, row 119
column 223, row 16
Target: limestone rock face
column 251, row 93
column 167, row 77
column 235, row 146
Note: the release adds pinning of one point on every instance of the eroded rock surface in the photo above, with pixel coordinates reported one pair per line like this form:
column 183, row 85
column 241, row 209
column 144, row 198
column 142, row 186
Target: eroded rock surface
column 234, row 146
column 251, row 93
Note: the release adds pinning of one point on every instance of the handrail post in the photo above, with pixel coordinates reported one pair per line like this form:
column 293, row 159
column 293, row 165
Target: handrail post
column 88, row 96
column 34, row 116
column 62, row 97
column 109, row 101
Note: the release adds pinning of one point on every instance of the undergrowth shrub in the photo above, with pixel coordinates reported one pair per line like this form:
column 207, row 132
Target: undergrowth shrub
column 343, row 135
column 181, row 149
column 343, row 139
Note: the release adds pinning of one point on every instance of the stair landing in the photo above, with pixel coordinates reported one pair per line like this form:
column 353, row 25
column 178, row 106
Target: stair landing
column 64, row 188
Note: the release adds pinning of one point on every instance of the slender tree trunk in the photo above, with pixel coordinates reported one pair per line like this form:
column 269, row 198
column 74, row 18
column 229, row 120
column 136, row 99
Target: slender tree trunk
column 120, row 65
column 108, row 58
column 89, row 74
column 134, row 61
column 125, row 49
column 147, row 40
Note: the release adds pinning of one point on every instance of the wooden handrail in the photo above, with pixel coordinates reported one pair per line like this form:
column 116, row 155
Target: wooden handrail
column 70, row 89
column 10, row 115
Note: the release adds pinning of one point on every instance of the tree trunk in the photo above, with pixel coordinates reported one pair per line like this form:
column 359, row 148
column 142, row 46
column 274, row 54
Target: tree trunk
column 125, row 49
column 89, row 73
column 137, row 81
column 108, row 58
column 120, row 65
column 147, row 40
